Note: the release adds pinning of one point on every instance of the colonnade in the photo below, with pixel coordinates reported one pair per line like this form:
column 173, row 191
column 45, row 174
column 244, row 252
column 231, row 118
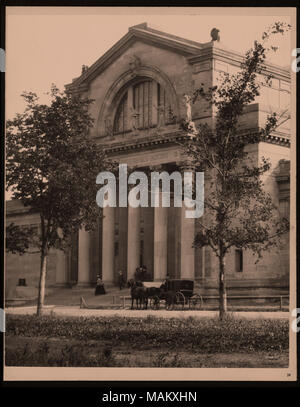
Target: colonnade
column 172, row 239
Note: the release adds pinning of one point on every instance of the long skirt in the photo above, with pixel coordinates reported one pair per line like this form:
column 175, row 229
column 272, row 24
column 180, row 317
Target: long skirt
column 100, row 290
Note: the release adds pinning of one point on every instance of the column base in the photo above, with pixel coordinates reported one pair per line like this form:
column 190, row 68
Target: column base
column 109, row 284
column 83, row 285
column 62, row 285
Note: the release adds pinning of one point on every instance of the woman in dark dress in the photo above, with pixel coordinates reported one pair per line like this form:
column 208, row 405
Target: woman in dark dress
column 100, row 290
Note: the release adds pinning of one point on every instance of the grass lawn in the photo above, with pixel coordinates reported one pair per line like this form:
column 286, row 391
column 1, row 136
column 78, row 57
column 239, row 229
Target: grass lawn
column 148, row 342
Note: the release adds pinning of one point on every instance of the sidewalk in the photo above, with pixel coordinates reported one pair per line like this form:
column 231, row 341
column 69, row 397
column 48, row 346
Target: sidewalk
column 66, row 301
column 63, row 296
column 73, row 311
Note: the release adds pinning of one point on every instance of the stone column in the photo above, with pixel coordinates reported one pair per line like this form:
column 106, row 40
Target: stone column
column 160, row 242
column 187, row 235
column 61, row 268
column 83, row 258
column 108, row 244
column 148, row 255
column 187, row 255
column 123, row 227
column 95, row 266
column 133, row 241
column 173, row 240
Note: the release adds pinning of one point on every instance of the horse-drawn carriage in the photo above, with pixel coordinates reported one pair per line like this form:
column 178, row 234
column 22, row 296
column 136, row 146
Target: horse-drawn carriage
column 175, row 293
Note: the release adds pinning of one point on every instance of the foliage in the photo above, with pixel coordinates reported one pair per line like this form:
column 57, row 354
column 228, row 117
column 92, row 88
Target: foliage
column 51, row 167
column 52, row 163
column 49, row 354
column 207, row 335
column 17, row 239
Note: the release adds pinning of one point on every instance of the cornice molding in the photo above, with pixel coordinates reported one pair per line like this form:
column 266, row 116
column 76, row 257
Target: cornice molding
column 144, row 142
column 235, row 58
column 174, row 137
column 277, row 137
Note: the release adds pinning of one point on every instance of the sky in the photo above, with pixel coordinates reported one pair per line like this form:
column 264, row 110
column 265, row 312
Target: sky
column 46, row 45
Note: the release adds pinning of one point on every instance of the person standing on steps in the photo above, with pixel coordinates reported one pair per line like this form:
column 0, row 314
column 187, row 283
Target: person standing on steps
column 120, row 279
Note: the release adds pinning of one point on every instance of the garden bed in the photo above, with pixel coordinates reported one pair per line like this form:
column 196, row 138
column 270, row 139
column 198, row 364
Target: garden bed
column 232, row 334
column 24, row 351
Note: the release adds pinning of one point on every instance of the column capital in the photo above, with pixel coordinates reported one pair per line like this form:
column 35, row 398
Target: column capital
column 186, row 166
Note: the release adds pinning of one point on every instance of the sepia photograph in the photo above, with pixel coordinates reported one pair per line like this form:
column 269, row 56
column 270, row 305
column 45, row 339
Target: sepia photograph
column 150, row 190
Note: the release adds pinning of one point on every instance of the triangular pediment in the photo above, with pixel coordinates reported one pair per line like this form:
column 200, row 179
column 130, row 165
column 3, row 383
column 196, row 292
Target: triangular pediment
column 141, row 33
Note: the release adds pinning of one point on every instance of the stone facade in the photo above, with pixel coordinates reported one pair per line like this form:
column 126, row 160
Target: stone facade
column 138, row 87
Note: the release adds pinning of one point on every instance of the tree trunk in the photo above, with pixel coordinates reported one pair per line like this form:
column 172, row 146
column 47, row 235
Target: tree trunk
column 222, row 289
column 42, row 283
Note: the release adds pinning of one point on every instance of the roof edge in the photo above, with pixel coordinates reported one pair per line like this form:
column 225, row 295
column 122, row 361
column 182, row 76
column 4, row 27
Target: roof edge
column 137, row 32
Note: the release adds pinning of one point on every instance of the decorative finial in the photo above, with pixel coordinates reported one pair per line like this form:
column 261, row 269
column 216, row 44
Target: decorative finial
column 84, row 68
column 215, row 34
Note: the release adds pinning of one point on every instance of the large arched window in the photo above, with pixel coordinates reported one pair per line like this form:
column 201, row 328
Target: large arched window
column 144, row 105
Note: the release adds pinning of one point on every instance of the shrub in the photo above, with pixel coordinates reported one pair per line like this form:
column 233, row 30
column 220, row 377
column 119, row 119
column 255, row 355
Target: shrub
column 69, row 355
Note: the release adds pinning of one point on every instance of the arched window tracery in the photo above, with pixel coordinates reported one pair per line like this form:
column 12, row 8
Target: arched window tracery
column 144, row 105
column 121, row 119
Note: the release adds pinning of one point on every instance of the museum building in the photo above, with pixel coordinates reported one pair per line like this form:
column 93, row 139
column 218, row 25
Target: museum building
column 138, row 87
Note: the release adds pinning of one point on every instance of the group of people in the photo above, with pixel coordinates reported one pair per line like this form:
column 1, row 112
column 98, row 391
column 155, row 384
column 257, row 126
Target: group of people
column 139, row 275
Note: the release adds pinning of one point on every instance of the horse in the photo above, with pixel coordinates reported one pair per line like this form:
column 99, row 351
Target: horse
column 138, row 293
column 167, row 295
column 154, row 293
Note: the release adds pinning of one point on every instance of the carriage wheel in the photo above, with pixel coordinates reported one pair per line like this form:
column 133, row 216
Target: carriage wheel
column 196, row 302
column 154, row 302
column 180, row 300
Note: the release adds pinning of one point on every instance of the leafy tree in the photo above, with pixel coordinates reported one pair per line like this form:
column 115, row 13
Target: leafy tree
column 51, row 167
column 17, row 239
column 238, row 211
